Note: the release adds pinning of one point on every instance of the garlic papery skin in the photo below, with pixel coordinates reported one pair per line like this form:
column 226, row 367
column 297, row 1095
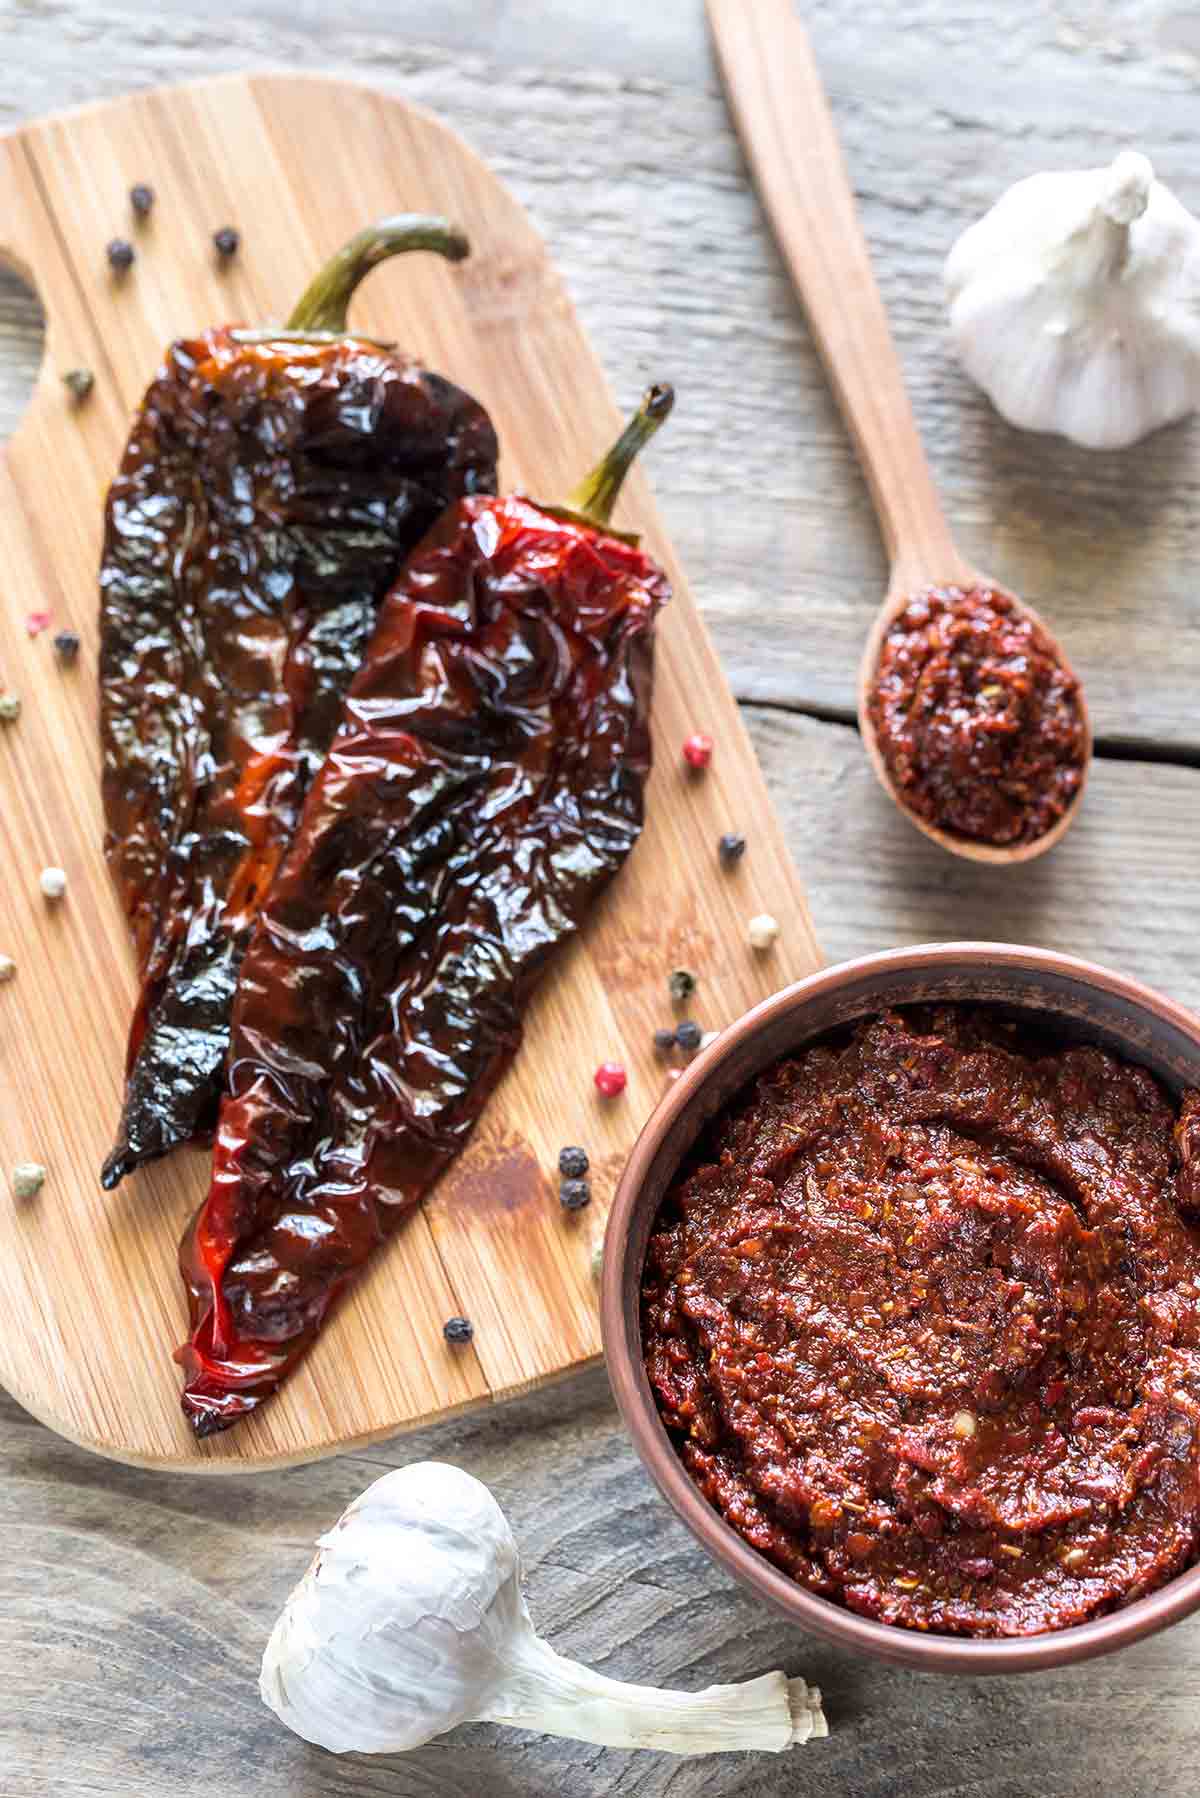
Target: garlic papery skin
column 1075, row 304
column 411, row 1620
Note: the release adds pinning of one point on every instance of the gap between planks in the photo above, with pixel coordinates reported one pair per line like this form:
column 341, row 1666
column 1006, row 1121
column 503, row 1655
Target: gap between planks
column 1110, row 748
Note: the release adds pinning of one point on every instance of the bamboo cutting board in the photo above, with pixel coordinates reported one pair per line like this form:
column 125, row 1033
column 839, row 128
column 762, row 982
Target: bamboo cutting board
column 91, row 1301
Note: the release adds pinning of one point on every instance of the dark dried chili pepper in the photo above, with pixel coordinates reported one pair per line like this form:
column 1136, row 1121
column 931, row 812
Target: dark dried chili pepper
column 486, row 783
column 272, row 484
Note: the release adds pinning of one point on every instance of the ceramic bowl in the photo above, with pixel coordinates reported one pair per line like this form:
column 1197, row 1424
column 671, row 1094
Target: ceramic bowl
column 1073, row 998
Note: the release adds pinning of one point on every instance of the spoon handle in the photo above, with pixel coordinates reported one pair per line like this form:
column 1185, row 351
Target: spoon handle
column 791, row 143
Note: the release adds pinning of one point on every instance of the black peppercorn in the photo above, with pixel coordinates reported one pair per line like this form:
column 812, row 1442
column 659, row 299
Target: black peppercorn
column 731, row 848
column 66, row 647
column 141, row 198
column 79, row 383
column 121, row 255
column 688, row 1036
column 681, row 984
column 226, row 241
column 664, row 1041
column 458, row 1329
column 572, row 1163
column 575, row 1194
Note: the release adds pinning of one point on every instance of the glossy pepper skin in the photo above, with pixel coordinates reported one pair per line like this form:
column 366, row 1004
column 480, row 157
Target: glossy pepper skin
column 486, row 783
column 269, row 491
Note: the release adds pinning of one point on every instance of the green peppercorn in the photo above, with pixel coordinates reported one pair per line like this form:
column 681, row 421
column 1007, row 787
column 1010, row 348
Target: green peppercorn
column 575, row 1194
column 681, row 984
column 573, row 1163
column 121, row 255
column 688, row 1036
column 79, row 383
column 10, row 708
column 458, row 1329
column 226, row 241
column 28, row 1179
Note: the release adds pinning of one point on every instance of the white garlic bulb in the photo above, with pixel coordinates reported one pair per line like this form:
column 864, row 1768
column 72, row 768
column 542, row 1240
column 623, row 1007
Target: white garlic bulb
column 411, row 1620
column 1075, row 304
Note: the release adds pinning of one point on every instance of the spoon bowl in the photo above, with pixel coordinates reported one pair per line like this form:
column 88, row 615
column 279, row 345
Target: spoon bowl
column 771, row 78
column 898, row 594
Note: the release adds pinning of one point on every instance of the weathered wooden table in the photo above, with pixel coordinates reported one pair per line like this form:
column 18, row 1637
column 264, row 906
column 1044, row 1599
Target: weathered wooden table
column 133, row 1608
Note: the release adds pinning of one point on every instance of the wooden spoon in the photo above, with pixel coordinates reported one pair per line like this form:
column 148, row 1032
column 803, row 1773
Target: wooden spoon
column 790, row 141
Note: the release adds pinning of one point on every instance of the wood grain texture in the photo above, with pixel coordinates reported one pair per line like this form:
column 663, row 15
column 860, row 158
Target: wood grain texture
column 609, row 124
column 787, row 131
column 131, row 1652
column 89, row 1282
column 1120, row 889
column 778, row 100
column 133, row 1608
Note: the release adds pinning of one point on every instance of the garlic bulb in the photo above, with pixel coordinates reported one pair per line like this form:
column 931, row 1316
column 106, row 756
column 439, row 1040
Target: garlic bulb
column 1075, row 304
column 411, row 1620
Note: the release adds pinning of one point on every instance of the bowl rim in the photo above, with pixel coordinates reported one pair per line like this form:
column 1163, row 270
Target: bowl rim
column 621, row 1336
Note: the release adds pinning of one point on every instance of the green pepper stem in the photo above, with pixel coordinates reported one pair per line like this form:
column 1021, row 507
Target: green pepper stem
column 326, row 300
column 596, row 494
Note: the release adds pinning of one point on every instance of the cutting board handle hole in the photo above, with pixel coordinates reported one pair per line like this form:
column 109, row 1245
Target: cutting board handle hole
column 22, row 342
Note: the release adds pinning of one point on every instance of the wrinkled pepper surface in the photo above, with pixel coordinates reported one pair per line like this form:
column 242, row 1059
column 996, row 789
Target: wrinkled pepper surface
column 272, row 484
column 485, row 784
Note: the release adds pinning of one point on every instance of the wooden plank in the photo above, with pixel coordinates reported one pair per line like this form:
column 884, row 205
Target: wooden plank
column 133, row 1612
column 612, row 130
column 1119, row 889
column 493, row 1241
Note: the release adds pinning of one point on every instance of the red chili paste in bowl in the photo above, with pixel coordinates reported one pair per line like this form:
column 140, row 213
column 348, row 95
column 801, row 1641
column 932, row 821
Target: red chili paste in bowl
column 924, row 1323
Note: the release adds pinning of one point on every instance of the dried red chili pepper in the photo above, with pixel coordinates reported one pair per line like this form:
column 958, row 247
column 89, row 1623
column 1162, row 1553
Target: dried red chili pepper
column 272, row 484
column 486, row 782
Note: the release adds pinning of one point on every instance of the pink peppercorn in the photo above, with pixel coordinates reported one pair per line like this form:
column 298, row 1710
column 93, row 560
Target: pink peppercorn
column 697, row 750
column 610, row 1078
column 36, row 623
